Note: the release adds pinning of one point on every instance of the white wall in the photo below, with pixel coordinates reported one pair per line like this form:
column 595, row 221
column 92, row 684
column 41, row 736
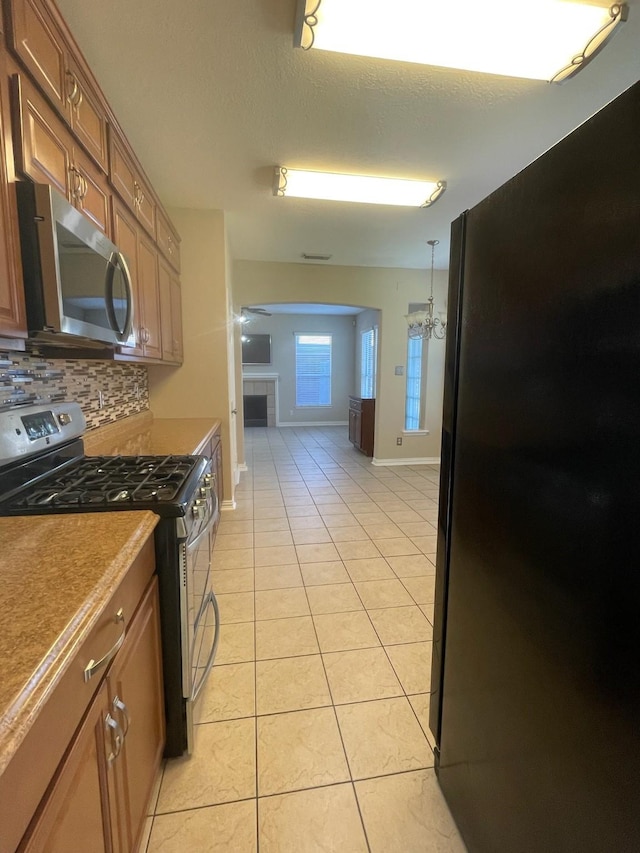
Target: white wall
column 390, row 291
column 282, row 328
column 204, row 386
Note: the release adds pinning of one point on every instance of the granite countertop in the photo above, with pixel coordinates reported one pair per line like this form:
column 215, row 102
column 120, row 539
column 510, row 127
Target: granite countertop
column 58, row 573
column 148, row 436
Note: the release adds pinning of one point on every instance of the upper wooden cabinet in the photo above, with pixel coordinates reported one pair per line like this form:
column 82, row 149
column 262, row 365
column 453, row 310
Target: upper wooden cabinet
column 47, row 153
column 88, row 120
column 12, row 307
column 170, row 313
column 168, row 240
column 62, row 132
column 142, row 259
column 128, row 183
column 38, row 41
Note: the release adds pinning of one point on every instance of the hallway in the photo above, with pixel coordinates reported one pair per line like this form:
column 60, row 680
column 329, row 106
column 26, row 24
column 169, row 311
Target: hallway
column 315, row 728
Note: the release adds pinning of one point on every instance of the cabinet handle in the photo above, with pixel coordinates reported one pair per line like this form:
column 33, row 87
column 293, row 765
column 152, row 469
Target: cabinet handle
column 145, row 335
column 170, row 245
column 75, row 182
column 94, row 665
column 72, row 96
column 118, row 705
column 83, row 186
column 117, row 738
column 138, row 198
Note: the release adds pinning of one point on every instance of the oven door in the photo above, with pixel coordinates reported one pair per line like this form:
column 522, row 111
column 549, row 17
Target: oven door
column 201, row 617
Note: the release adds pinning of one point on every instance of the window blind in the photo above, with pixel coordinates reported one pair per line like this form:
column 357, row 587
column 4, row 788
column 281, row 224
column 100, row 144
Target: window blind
column 368, row 360
column 313, row 370
column 414, row 384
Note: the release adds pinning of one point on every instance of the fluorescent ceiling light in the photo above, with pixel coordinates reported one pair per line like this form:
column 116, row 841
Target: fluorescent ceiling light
column 536, row 39
column 360, row 188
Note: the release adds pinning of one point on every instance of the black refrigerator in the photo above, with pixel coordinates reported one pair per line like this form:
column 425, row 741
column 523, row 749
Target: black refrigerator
column 535, row 703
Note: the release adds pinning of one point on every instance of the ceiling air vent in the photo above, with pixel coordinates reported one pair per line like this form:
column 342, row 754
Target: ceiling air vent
column 309, row 257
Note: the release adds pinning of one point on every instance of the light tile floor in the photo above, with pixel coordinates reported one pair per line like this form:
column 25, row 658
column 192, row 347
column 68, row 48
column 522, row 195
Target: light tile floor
column 315, row 733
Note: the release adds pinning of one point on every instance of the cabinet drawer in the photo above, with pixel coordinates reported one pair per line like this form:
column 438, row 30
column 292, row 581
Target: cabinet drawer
column 355, row 405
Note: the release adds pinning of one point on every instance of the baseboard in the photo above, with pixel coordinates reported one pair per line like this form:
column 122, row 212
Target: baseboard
column 422, row 460
column 225, row 506
column 312, row 423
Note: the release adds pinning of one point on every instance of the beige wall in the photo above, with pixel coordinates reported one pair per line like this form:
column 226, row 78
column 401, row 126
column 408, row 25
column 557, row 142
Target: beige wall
column 200, row 388
column 390, row 291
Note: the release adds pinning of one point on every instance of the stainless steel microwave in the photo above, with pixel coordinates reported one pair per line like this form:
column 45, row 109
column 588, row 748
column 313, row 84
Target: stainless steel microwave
column 77, row 284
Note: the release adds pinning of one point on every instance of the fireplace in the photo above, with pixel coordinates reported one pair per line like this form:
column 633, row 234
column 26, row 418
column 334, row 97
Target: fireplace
column 255, row 410
column 258, row 392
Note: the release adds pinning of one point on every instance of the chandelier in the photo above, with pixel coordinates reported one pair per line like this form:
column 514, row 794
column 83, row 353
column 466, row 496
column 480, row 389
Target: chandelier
column 422, row 324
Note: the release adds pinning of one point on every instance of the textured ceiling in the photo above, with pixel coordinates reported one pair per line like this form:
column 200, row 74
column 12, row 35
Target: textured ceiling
column 212, row 96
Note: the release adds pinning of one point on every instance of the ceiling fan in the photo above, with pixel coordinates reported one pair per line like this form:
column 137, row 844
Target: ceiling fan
column 260, row 312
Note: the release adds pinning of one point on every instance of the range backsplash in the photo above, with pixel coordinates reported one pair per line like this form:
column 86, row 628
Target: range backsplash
column 107, row 391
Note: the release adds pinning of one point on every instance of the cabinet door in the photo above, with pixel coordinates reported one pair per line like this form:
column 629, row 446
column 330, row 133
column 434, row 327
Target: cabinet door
column 43, row 146
column 74, row 813
column 12, row 307
column 176, row 318
column 125, row 236
column 353, row 428
column 93, row 197
column 36, row 39
column 137, row 704
column 129, row 185
column 88, row 119
column 166, row 324
column 170, row 313
column 149, row 297
column 168, row 241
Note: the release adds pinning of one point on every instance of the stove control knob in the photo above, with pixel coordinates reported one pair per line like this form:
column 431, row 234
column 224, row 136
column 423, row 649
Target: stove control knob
column 204, row 491
column 208, row 479
column 64, row 418
column 198, row 509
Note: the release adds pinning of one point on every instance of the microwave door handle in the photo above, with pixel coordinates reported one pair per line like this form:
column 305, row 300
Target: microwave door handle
column 118, row 259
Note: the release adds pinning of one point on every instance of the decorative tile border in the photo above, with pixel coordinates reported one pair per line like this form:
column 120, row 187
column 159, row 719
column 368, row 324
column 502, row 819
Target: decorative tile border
column 107, row 391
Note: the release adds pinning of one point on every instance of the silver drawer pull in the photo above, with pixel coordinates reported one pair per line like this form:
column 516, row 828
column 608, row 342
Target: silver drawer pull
column 118, row 705
column 117, row 738
column 93, row 666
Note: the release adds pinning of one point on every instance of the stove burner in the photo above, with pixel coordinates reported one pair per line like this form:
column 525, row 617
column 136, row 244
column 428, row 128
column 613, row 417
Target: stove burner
column 111, row 480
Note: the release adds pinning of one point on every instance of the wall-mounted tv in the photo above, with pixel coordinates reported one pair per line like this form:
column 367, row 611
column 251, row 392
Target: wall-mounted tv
column 256, row 349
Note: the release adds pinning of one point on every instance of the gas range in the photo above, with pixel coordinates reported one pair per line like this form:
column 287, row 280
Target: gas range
column 43, row 470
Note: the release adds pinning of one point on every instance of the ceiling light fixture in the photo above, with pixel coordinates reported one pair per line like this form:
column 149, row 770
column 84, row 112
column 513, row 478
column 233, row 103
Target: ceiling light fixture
column 536, row 39
column 422, row 324
column 359, row 188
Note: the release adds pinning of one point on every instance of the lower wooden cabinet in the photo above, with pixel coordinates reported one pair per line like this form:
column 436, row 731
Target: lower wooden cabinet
column 77, row 805
column 136, row 704
column 361, row 424
column 98, row 798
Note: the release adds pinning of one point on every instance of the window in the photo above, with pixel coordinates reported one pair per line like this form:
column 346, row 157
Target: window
column 368, row 361
column 413, row 404
column 313, row 370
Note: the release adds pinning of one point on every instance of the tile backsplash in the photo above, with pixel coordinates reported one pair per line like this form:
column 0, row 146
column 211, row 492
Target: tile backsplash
column 107, row 391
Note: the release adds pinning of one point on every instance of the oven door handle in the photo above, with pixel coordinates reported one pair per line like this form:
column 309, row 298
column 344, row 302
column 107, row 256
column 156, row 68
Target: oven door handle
column 210, row 599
